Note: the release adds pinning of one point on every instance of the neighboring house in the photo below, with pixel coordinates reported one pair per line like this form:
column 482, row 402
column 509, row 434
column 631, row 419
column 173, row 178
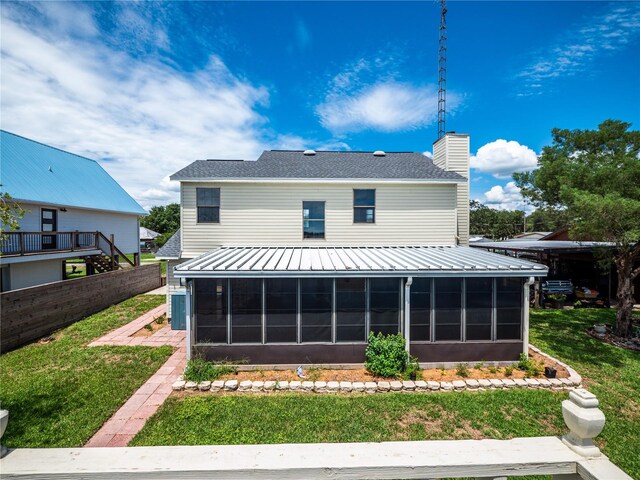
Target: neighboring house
column 528, row 236
column 297, row 256
column 147, row 239
column 74, row 209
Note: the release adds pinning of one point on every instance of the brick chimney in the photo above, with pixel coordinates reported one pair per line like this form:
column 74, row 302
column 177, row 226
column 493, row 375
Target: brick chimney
column 451, row 153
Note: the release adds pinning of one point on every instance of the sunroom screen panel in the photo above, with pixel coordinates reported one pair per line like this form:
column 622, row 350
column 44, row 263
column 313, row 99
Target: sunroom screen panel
column 316, row 296
column 210, row 310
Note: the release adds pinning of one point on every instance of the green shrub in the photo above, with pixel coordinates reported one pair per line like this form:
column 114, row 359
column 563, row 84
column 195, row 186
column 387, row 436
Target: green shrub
column 198, row 370
column 527, row 365
column 413, row 368
column 557, row 297
column 508, row 371
column 524, row 363
column 386, row 355
column 462, row 370
column 493, row 369
column 479, row 365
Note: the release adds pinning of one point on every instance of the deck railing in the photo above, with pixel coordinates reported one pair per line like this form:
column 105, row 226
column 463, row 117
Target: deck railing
column 30, row 243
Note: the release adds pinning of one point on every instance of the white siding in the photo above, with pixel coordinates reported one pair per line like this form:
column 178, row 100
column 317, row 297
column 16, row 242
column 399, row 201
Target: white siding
column 29, row 274
column 123, row 226
column 173, row 283
column 451, row 152
column 271, row 214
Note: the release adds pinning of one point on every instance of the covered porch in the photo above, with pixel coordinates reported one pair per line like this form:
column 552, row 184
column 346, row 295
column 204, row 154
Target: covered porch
column 317, row 305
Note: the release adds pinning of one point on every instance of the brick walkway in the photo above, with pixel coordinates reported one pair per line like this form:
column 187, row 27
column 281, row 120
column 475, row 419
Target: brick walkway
column 131, row 417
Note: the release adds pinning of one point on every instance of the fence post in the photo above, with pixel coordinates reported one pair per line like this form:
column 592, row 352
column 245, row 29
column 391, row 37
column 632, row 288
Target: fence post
column 136, row 259
column 21, row 243
column 112, row 245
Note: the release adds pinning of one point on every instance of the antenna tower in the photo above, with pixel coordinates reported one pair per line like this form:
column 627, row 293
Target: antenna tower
column 442, row 69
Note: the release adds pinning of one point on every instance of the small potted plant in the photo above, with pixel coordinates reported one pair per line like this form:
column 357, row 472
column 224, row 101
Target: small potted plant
column 557, row 299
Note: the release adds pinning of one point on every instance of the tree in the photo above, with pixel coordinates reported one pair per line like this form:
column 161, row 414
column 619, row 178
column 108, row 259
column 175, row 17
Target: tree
column 10, row 213
column 595, row 176
column 547, row 220
column 163, row 219
column 494, row 224
column 163, row 238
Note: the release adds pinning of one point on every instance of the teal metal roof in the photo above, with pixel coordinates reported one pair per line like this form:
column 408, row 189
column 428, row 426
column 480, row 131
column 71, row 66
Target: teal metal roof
column 34, row 172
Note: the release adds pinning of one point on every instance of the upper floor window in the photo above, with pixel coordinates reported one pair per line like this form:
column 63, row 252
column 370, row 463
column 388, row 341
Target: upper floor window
column 208, row 204
column 364, row 206
column 313, row 219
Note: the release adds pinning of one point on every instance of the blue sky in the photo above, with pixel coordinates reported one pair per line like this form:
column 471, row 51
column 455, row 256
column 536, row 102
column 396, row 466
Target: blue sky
column 145, row 88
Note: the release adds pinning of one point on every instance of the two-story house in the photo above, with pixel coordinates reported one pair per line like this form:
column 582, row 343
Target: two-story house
column 296, row 257
column 74, row 209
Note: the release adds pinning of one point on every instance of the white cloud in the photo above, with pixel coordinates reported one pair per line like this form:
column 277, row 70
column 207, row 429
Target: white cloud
column 501, row 158
column 385, row 107
column 505, row 197
column 428, row 154
column 366, row 96
column 575, row 51
column 140, row 116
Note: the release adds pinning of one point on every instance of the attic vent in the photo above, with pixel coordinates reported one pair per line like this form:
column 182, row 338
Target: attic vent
column 379, row 153
column 309, row 152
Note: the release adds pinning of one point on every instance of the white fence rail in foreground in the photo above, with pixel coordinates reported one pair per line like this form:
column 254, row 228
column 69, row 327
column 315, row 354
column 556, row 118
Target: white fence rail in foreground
column 570, row 457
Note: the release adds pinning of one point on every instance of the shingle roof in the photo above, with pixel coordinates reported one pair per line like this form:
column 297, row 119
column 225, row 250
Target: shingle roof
column 172, row 249
column 35, row 172
column 425, row 261
column 290, row 164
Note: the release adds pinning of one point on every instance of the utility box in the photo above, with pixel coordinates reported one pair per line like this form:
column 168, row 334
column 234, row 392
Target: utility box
column 179, row 310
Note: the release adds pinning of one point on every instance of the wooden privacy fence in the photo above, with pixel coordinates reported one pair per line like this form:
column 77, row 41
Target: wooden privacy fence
column 30, row 313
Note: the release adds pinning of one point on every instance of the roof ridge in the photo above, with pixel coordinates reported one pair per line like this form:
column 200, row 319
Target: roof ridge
column 48, row 146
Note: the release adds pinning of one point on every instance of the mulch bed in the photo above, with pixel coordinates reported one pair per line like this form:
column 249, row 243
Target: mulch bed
column 152, row 327
column 475, row 371
column 612, row 339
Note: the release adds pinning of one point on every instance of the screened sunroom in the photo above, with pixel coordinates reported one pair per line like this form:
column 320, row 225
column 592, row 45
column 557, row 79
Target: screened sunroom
column 277, row 305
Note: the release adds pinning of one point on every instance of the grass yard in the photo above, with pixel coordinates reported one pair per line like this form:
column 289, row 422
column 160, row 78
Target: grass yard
column 302, row 418
column 59, row 394
column 611, row 373
column 147, row 258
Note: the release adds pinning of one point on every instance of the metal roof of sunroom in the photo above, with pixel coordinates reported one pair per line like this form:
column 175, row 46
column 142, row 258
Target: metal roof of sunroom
column 396, row 261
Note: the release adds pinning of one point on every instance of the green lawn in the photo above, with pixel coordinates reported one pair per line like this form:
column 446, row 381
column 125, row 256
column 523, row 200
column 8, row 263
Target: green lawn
column 147, row 258
column 611, row 373
column 59, row 394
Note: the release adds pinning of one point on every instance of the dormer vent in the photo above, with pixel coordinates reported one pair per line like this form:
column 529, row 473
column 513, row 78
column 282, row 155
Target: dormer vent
column 379, row 153
column 309, row 152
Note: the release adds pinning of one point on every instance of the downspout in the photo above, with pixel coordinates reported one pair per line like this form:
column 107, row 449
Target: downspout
column 525, row 332
column 407, row 312
column 188, row 315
